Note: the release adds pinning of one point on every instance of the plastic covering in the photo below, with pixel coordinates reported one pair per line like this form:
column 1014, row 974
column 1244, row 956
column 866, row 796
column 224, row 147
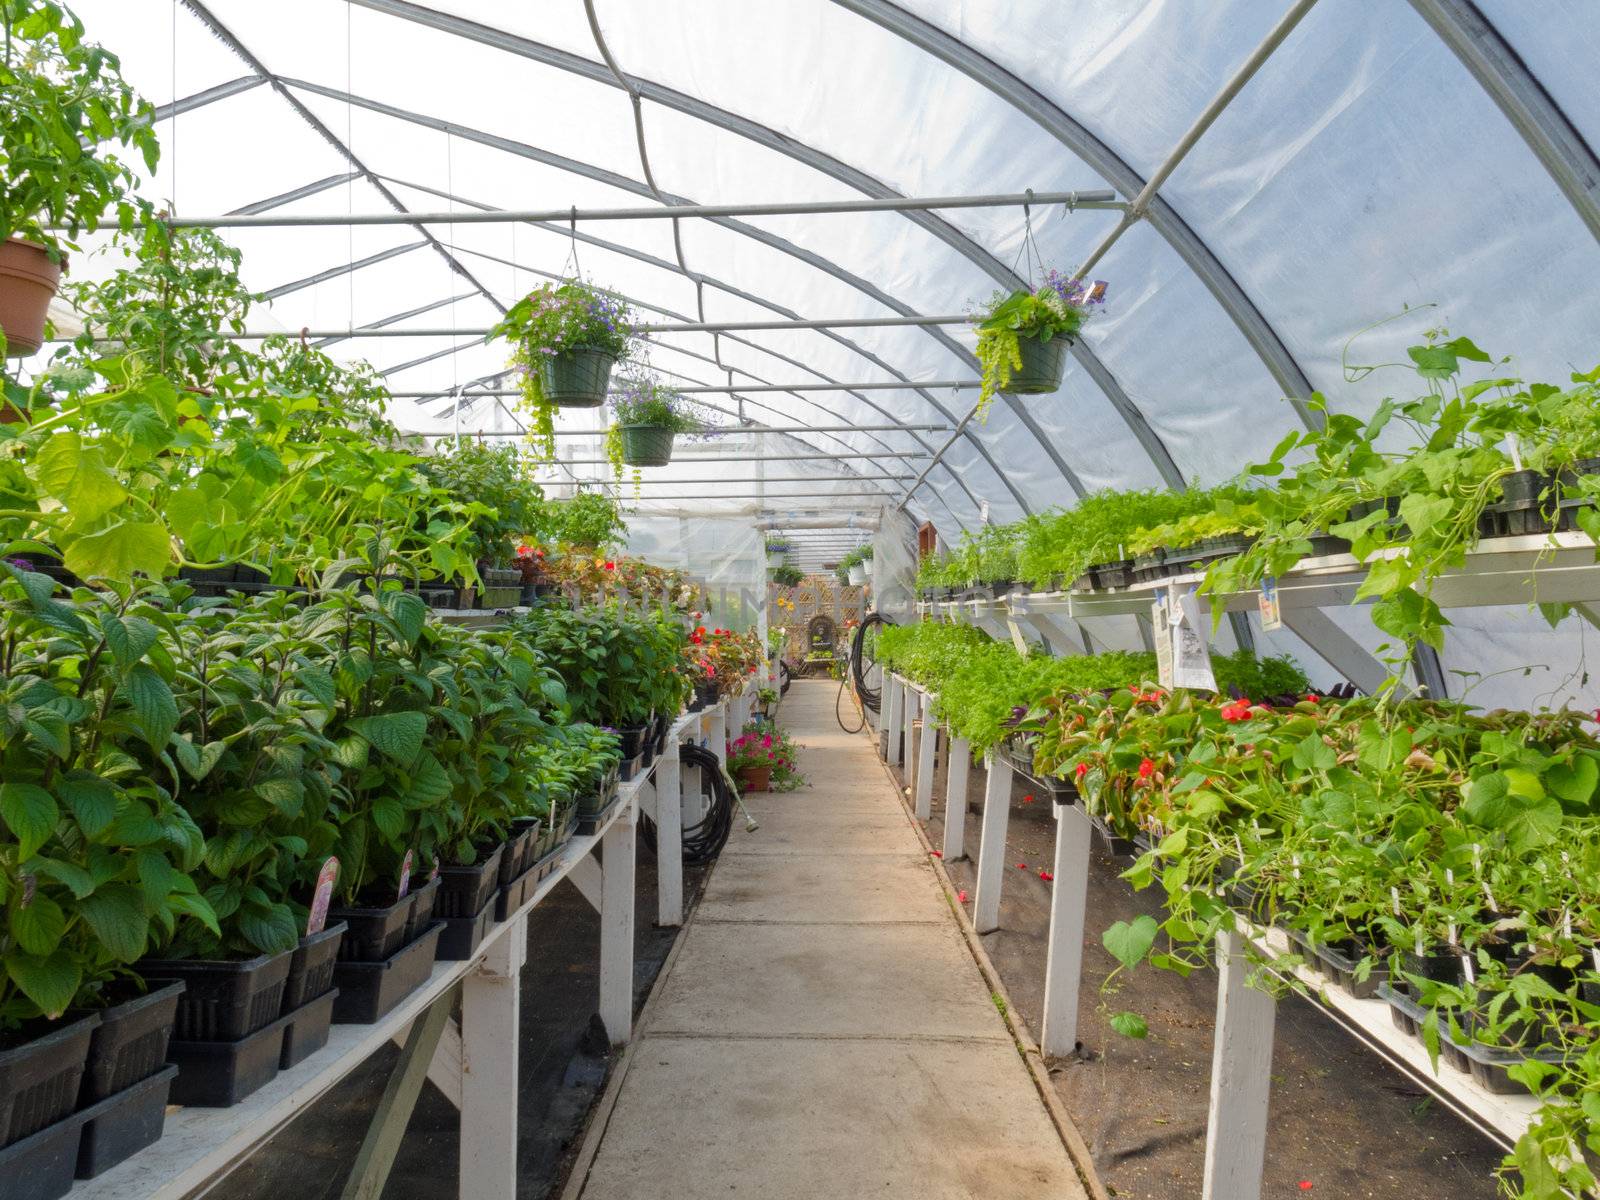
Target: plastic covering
column 894, row 567
column 726, row 557
column 1362, row 170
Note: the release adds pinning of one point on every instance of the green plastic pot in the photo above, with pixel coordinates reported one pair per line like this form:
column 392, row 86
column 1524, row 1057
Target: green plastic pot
column 1042, row 363
column 646, row 445
column 576, row 378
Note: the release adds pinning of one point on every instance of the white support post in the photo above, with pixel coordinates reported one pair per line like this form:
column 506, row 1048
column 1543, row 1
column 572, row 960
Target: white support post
column 958, row 768
column 1241, row 1079
column 717, row 731
column 922, row 792
column 616, row 929
column 908, row 728
column 669, row 837
column 895, row 691
column 490, row 1036
column 1063, row 964
column 992, row 847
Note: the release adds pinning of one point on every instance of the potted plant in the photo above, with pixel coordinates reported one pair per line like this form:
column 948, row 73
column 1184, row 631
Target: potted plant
column 646, row 416
column 786, row 576
column 63, row 101
column 750, row 762
column 854, row 566
column 1023, row 338
column 778, row 551
column 566, row 337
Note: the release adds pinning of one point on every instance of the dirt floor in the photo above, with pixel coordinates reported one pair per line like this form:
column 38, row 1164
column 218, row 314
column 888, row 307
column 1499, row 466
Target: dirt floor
column 1341, row 1120
column 565, row 1061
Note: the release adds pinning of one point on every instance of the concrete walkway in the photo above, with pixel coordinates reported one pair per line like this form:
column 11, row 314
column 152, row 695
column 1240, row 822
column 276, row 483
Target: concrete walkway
column 824, row 1031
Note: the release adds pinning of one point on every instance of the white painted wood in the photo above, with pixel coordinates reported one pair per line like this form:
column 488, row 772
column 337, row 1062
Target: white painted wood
column 445, row 1070
column 908, row 730
column 616, row 930
column 992, row 847
column 894, row 706
column 587, row 877
column 669, row 838
column 490, row 1040
column 1063, row 966
column 1241, row 1079
column 717, row 732
column 1341, row 651
column 647, row 795
column 958, row 772
column 922, row 789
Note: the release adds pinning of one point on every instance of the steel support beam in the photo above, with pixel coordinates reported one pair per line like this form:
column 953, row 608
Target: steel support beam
column 345, row 268
column 1500, row 71
column 728, row 458
column 210, row 95
column 299, row 193
column 483, row 331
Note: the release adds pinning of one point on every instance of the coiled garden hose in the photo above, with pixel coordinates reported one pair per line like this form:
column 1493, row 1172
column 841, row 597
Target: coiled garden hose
column 868, row 697
column 703, row 840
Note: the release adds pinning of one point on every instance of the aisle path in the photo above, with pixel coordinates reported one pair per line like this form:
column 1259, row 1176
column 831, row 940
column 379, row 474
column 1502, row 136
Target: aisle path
column 824, row 1030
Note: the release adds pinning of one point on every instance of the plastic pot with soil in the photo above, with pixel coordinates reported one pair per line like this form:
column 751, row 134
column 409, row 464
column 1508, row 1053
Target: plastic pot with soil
column 1042, row 365
column 29, row 278
column 753, row 779
column 40, row 1075
column 646, row 445
column 576, row 378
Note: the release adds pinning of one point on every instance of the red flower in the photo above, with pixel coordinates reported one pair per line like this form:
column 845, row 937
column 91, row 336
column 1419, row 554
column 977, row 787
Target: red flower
column 1028, row 799
column 1239, row 710
column 1082, row 769
column 937, row 853
column 1022, row 866
column 1311, row 698
column 962, row 895
column 1146, row 768
column 1305, row 1185
column 1046, row 875
column 611, row 566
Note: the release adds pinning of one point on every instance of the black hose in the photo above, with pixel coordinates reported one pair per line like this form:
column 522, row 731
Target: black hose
column 868, row 697
column 704, row 840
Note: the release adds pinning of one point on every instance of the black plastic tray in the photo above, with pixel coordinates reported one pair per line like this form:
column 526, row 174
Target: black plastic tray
column 41, row 1166
column 515, row 894
column 463, row 935
column 39, row 1080
column 220, row 1074
column 374, row 933
column 311, row 967
column 118, row 1127
column 589, row 822
column 224, row 999
column 369, row 990
column 307, row 1030
column 130, row 1043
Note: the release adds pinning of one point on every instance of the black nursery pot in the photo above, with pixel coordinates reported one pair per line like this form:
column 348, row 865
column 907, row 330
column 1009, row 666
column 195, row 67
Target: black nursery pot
column 423, row 901
column 39, row 1079
column 224, row 999
column 130, row 1042
column 464, row 890
column 372, row 934
column 632, row 737
column 1523, row 488
column 311, row 967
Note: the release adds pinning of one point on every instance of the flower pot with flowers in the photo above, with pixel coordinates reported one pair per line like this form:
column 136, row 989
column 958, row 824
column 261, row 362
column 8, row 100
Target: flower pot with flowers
column 1024, row 337
column 751, row 759
column 647, row 415
column 565, row 339
column 63, row 100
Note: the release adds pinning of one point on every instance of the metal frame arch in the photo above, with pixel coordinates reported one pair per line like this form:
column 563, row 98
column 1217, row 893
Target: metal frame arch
column 750, row 297
column 1532, row 111
column 1057, row 122
column 783, row 245
column 810, row 156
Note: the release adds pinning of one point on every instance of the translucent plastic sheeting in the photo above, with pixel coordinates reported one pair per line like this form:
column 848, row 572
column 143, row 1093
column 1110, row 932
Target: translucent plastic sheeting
column 893, row 569
column 728, row 557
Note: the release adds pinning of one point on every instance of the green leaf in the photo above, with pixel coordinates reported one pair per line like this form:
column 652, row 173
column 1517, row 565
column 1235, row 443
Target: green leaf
column 116, row 914
column 50, row 982
column 39, row 926
column 1130, row 1024
column 120, row 550
column 389, row 815
column 1312, row 753
column 92, row 800
column 429, row 784
column 30, row 813
column 1129, row 943
column 409, row 613
column 399, row 735
column 76, row 475
column 156, row 876
column 155, row 711
column 270, row 931
column 128, row 638
column 73, row 876
column 1575, row 783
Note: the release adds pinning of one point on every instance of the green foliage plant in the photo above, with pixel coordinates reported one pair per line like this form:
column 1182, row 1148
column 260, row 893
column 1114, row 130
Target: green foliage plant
column 1058, row 308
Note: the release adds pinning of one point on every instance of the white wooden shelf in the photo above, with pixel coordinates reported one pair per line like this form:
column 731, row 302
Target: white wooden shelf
column 199, row 1144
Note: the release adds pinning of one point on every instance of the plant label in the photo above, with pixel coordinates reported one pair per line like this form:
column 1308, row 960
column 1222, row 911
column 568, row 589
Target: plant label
column 30, row 885
column 405, row 876
column 1191, row 656
column 1267, row 603
column 317, row 921
column 1163, row 639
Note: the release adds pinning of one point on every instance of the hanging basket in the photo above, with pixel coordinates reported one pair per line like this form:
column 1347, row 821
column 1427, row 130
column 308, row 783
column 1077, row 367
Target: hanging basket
column 646, row 445
column 858, row 575
column 28, row 282
column 576, row 378
column 1042, row 362
column 777, row 558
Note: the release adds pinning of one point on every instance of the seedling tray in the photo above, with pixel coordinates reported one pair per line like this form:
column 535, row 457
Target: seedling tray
column 130, row 1043
column 589, row 822
column 464, row 890
column 39, row 1080
column 118, row 1127
column 219, row 1074
column 515, row 894
column 307, row 1030
column 224, row 1000
column 462, row 935
column 41, row 1166
column 311, row 967
column 423, row 901
column 373, row 934
column 369, row 990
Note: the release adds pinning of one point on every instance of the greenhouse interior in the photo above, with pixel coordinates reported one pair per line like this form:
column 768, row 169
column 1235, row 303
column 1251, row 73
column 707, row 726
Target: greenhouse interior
column 607, row 600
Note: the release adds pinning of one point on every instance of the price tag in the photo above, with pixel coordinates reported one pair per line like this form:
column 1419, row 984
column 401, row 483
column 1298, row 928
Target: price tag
column 405, row 875
column 321, row 897
column 1191, row 656
column 1267, row 603
column 1163, row 639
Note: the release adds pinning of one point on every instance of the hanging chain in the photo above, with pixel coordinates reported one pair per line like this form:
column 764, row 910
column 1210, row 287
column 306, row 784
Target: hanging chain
column 576, row 271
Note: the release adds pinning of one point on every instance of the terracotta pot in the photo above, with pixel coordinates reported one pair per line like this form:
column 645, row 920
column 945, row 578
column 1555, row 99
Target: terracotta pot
column 28, row 281
column 754, row 779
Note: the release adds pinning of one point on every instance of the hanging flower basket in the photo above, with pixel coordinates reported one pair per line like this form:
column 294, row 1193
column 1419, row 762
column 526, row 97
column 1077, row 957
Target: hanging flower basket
column 28, row 282
column 576, row 378
column 858, row 574
column 646, row 445
column 1042, row 365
